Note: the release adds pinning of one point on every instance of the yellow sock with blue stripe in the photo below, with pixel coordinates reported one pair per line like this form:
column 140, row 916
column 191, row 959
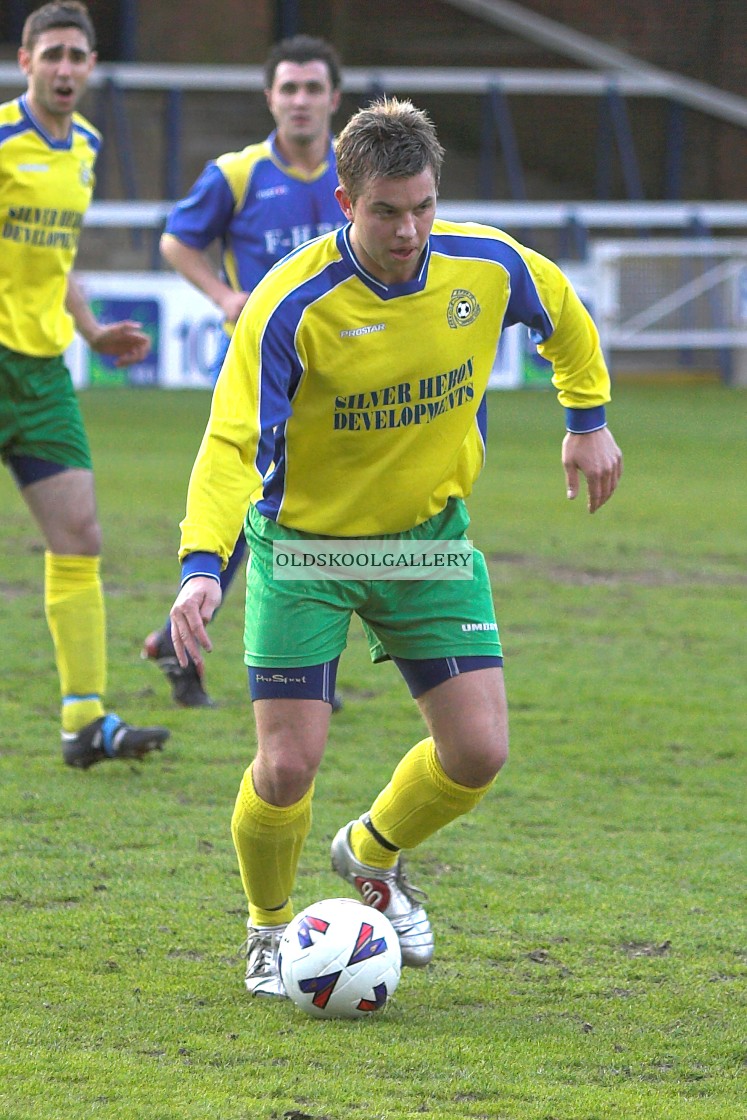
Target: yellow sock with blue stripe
column 74, row 606
column 268, row 840
column 419, row 800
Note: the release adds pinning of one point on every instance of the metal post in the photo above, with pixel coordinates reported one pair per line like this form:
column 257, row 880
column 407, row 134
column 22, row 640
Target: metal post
column 486, row 165
column 128, row 23
column 102, row 162
column 125, row 148
column 509, row 146
column 375, row 92
column 603, row 176
column 172, row 142
column 675, row 132
column 17, row 12
column 625, row 146
column 574, row 239
column 287, row 19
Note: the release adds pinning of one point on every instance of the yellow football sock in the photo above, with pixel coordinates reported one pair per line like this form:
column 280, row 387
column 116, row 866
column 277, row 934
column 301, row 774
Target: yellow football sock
column 419, row 800
column 74, row 606
column 268, row 841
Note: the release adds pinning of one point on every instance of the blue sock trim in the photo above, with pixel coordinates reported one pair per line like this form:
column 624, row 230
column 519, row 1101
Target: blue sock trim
column 109, row 725
column 73, row 699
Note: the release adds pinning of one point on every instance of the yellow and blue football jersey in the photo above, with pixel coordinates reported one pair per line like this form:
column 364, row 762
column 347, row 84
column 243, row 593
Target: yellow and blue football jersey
column 347, row 407
column 258, row 207
column 45, row 189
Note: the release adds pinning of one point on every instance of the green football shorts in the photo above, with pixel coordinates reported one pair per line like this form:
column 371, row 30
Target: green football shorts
column 39, row 411
column 305, row 622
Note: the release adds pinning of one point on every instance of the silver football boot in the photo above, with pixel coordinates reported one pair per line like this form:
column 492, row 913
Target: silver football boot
column 389, row 891
column 261, row 952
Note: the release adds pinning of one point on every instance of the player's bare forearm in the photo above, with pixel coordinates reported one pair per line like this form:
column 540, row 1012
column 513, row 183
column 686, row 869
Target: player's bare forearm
column 76, row 303
column 598, row 458
column 195, row 266
column 124, row 341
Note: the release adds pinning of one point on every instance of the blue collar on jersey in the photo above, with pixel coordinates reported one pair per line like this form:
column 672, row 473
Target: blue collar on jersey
column 61, row 145
column 382, row 290
column 278, row 158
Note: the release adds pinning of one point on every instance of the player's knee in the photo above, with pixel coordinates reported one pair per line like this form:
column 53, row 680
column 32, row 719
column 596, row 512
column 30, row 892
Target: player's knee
column 489, row 746
column 474, row 760
column 79, row 535
column 492, row 757
column 90, row 538
column 498, row 755
column 285, row 775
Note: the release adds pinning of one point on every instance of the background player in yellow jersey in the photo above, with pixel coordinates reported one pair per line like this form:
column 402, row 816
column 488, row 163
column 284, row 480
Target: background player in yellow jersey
column 47, row 155
column 352, row 405
column 258, row 204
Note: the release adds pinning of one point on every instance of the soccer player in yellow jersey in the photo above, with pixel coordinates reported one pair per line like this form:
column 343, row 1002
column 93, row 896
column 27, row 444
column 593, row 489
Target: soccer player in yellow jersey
column 350, row 412
column 47, row 156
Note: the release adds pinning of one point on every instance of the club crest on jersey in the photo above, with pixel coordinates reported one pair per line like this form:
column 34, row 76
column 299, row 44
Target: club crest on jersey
column 463, row 308
column 86, row 173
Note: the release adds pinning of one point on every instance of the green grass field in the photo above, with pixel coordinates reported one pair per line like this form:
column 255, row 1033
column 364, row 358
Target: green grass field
column 590, row 916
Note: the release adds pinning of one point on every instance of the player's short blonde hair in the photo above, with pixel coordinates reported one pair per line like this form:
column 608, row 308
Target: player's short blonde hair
column 390, row 139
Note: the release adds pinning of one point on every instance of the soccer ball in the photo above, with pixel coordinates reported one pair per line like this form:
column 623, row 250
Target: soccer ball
column 339, row 959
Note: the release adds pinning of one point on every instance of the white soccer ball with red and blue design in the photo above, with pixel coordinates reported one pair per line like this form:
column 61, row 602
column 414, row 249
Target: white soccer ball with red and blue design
column 340, row 959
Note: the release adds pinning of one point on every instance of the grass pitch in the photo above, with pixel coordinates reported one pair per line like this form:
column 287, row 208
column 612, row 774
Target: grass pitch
column 590, row 917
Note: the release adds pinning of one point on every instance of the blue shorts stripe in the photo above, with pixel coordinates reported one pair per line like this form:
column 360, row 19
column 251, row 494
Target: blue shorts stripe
column 421, row 676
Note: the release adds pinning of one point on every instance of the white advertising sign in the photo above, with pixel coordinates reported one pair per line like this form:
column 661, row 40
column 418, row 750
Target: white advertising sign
column 183, row 325
column 185, row 329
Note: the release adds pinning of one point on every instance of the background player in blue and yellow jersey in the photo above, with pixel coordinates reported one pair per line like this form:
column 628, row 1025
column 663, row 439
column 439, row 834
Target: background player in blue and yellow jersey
column 259, row 204
column 351, row 405
column 47, row 156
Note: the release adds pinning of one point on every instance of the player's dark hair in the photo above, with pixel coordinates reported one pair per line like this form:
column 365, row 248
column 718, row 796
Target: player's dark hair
column 303, row 48
column 59, row 13
column 390, row 139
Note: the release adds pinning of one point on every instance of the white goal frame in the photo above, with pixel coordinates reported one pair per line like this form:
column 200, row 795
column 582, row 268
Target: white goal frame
column 721, row 265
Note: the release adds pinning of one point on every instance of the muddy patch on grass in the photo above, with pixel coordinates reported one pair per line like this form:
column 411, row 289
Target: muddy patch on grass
column 655, row 575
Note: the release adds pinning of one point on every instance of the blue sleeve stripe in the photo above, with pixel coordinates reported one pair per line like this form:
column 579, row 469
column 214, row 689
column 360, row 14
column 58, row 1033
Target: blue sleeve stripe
column 8, row 131
column 579, row 420
column 201, row 564
column 92, row 138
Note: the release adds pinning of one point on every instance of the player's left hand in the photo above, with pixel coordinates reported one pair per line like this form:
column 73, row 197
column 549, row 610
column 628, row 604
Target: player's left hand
column 194, row 606
column 598, row 458
column 124, row 341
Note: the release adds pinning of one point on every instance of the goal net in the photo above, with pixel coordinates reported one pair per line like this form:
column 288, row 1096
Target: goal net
column 673, row 296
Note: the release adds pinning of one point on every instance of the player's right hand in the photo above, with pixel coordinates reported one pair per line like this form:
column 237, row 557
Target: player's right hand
column 232, row 304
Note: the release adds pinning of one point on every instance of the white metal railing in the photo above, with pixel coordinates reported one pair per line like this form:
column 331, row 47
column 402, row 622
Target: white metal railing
column 510, row 215
column 491, row 85
column 362, row 79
